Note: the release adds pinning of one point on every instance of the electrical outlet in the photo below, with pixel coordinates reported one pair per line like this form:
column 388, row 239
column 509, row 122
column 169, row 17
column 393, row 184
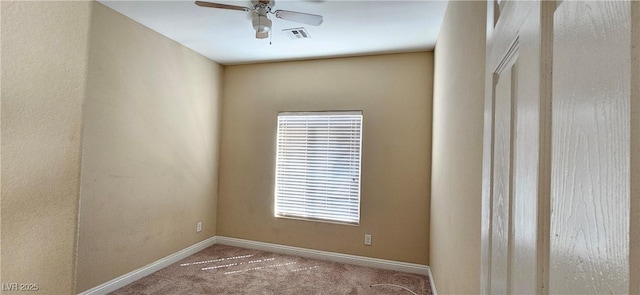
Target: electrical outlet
column 199, row 227
column 367, row 239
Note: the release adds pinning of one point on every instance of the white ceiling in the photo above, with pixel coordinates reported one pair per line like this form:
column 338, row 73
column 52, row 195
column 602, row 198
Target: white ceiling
column 349, row 28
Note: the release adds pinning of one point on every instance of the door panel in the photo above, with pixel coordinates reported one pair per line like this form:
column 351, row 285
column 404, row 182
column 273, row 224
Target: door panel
column 589, row 242
column 502, row 184
column 527, row 160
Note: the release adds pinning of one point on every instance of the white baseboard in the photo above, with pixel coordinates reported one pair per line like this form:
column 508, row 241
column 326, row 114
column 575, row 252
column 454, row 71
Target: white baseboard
column 148, row 269
column 432, row 283
column 330, row 256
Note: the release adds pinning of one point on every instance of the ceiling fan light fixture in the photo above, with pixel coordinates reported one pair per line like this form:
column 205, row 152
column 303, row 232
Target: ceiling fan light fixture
column 264, row 35
column 261, row 23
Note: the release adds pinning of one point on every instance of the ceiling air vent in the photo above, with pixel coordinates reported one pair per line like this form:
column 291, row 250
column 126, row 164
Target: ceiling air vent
column 297, row 33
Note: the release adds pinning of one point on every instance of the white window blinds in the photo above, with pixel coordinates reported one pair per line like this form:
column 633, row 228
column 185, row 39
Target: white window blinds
column 318, row 166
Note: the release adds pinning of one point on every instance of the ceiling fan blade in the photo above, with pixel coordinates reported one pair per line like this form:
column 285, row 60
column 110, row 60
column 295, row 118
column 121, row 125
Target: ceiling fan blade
column 262, row 35
column 300, row 17
column 223, row 6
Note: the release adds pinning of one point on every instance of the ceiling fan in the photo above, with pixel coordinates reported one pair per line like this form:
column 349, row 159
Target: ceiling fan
column 261, row 10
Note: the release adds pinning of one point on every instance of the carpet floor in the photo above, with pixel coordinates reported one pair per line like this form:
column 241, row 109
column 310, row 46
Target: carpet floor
column 222, row 269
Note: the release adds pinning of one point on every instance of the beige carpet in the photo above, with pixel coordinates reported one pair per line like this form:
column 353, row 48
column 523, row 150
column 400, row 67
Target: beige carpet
column 223, row 269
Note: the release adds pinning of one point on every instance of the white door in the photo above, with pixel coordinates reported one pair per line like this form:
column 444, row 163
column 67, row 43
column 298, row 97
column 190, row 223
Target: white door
column 559, row 192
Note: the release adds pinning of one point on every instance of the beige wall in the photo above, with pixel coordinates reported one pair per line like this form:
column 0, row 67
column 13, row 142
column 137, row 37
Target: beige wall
column 456, row 191
column 44, row 64
column 394, row 92
column 150, row 149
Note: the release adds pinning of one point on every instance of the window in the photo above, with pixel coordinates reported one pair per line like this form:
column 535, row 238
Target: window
column 318, row 166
